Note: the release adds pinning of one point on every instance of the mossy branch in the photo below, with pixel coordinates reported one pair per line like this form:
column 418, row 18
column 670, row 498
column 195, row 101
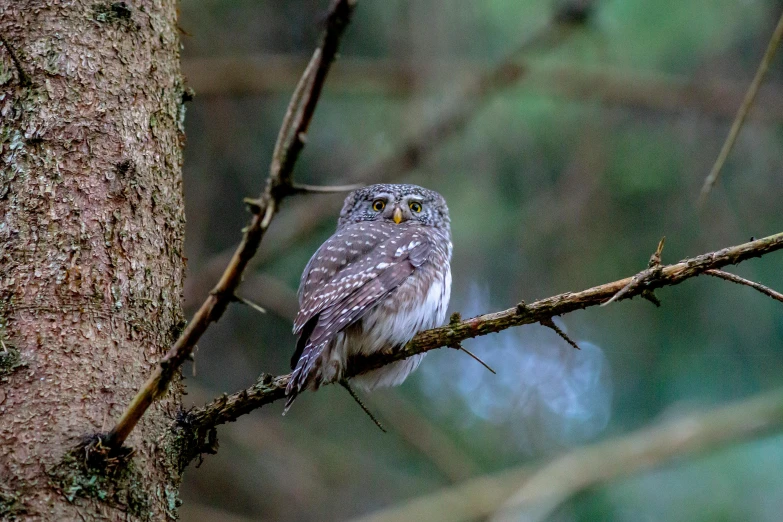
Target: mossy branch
column 270, row 389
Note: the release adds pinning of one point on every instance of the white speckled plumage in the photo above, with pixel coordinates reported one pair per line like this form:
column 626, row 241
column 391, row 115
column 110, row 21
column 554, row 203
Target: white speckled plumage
column 383, row 326
column 381, row 278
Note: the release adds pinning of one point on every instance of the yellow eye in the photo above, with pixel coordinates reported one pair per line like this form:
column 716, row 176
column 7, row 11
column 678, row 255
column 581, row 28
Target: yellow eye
column 415, row 206
column 378, row 205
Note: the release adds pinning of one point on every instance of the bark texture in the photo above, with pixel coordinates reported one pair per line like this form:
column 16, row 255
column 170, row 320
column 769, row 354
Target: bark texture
column 91, row 266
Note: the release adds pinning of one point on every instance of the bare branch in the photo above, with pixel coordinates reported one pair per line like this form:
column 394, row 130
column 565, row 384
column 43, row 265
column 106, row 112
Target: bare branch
column 301, row 188
column 294, row 110
column 278, row 185
column 473, row 96
column 665, row 93
column 557, row 481
column 270, row 389
column 742, row 113
column 539, row 493
column 742, row 281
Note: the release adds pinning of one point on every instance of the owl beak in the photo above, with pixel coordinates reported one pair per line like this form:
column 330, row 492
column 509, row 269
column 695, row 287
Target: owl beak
column 397, row 216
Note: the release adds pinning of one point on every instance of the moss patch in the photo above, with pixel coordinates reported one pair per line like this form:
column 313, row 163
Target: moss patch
column 91, row 472
column 185, row 443
column 114, row 13
column 10, row 358
column 10, row 507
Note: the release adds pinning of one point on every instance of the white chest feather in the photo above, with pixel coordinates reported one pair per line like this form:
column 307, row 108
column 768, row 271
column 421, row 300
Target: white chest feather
column 394, row 323
column 420, row 305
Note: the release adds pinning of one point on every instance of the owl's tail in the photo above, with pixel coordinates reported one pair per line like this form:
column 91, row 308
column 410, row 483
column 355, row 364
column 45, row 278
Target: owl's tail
column 293, row 388
column 295, row 385
column 289, row 401
column 303, row 373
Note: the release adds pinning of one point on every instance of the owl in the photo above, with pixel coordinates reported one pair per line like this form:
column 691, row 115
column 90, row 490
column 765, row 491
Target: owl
column 382, row 277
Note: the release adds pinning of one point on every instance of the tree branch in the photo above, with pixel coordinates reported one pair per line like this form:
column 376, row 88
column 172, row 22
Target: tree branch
column 669, row 94
column 529, row 495
column 301, row 188
column 473, row 96
column 742, row 281
column 269, row 389
column 556, row 482
column 743, row 111
column 291, row 141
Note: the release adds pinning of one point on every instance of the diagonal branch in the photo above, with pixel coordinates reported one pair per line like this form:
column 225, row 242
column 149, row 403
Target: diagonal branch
column 743, row 111
column 533, row 494
column 269, row 389
column 290, row 144
column 556, row 482
column 472, row 97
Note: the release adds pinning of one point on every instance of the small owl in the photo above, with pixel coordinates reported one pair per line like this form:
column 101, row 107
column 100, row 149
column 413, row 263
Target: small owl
column 382, row 277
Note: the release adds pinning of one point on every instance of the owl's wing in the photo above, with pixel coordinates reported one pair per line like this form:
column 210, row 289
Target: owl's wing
column 343, row 256
column 348, row 294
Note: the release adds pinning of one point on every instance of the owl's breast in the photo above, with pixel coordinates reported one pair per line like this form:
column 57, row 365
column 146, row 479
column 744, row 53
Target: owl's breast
column 417, row 304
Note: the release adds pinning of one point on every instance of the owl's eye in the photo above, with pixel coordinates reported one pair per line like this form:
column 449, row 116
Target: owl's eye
column 378, row 205
column 415, row 206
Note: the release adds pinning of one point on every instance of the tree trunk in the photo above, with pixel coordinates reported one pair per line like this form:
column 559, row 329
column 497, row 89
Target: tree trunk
column 91, row 266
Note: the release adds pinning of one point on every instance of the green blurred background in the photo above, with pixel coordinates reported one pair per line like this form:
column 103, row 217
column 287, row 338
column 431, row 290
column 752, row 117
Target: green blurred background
column 565, row 172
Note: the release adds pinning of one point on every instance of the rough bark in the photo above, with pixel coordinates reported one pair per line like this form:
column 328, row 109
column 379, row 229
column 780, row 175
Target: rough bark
column 91, row 266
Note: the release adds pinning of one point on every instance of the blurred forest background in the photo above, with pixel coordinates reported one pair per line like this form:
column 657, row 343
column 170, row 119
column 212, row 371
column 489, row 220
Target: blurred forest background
column 584, row 143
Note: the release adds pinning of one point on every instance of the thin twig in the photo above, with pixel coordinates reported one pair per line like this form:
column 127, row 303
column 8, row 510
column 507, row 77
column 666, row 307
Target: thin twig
column 24, row 79
column 425, row 436
column 742, row 113
column 655, row 259
column 459, row 346
column 344, row 384
column 301, row 188
column 549, row 323
column 456, row 318
column 471, row 98
column 277, row 187
column 249, row 303
column 272, row 389
column 742, row 281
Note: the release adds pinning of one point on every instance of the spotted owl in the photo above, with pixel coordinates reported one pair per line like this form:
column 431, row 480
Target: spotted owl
column 382, row 277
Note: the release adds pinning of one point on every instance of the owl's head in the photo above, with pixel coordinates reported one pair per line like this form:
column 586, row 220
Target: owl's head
column 395, row 204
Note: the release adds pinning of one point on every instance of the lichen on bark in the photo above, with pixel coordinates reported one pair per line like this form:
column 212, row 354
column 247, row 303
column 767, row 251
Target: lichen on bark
column 91, row 234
